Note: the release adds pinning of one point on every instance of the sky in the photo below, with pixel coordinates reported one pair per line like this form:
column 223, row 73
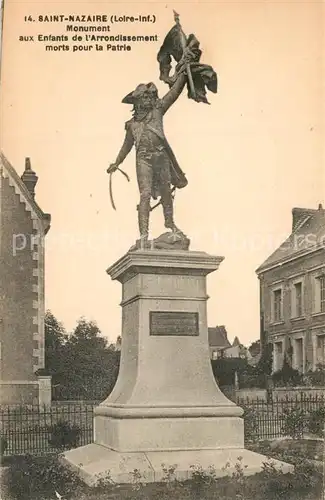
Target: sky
column 250, row 157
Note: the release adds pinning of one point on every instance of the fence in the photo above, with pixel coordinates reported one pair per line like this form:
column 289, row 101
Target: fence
column 279, row 416
column 37, row 430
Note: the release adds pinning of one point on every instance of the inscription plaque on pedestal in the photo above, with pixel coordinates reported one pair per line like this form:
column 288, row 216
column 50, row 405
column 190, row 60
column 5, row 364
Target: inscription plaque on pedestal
column 174, row 323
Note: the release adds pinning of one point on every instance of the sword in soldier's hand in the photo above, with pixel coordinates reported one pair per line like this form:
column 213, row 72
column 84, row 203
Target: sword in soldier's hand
column 111, row 169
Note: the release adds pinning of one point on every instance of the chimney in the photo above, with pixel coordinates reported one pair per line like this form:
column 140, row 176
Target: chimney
column 29, row 178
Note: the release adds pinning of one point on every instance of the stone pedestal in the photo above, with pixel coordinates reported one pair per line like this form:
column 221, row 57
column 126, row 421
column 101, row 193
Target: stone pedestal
column 166, row 407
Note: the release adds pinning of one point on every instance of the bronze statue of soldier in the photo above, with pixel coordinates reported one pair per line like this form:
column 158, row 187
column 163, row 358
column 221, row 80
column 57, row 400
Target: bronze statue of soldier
column 158, row 172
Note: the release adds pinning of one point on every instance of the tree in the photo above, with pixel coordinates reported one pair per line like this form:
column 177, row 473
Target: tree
column 255, row 348
column 91, row 366
column 257, row 376
column 264, row 366
column 55, row 339
column 55, row 334
column 82, row 364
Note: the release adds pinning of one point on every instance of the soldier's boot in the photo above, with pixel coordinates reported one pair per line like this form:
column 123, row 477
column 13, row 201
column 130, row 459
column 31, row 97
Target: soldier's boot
column 143, row 220
column 169, row 218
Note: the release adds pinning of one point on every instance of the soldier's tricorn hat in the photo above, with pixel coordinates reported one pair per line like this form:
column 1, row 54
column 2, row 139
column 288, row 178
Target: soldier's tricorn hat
column 141, row 89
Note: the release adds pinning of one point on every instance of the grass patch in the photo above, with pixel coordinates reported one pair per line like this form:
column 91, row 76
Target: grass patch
column 38, row 478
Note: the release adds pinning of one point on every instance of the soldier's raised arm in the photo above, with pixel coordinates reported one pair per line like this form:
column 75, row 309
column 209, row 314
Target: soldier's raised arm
column 181, row 78
column 174, row 92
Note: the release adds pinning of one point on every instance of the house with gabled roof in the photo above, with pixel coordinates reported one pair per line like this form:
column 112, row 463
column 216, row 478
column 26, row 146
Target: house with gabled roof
column 218, row 340
column 237, row 350
column 23, row 226
column 292, row 293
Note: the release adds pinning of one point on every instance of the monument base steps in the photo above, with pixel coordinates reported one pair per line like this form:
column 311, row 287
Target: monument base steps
column 94, row 462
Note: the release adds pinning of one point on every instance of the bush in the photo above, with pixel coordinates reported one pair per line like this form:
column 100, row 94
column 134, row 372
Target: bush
column 64, row 435
column 316, row 422
column 251, row 424
column 201, row 480
column 294, row 422
column 3, row 445
column 252, row 379
column 306, row 478
column 41, row 477
column 257, row 376
column 316, row 378
column 276, row 485
column 287, row 376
